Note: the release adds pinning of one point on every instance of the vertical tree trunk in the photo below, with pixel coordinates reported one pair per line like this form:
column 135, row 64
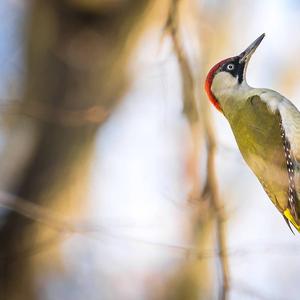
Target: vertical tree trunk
column 76, row 61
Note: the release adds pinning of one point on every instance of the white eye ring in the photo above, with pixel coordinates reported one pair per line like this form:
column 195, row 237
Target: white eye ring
column 230, row 67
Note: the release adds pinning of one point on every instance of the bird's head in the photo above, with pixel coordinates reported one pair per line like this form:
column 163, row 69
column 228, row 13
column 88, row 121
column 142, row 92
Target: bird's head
column 229, row 74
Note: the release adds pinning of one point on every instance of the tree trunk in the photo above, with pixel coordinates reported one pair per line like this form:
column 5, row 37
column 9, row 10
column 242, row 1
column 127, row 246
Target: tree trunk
column 76, row 59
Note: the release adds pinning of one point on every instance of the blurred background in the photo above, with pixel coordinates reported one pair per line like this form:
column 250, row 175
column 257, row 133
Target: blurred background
column 118, row 178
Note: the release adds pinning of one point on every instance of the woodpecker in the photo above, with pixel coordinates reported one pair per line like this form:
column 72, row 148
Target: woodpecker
column 266, row 126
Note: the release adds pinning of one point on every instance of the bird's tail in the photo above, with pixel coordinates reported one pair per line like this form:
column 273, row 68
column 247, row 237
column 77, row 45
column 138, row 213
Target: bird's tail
column 288, row 216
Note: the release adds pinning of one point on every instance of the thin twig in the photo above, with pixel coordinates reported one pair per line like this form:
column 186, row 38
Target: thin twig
column 211, row 192
column 190, row 108
column 190, row 103
column 192, row 113
column 66, row 227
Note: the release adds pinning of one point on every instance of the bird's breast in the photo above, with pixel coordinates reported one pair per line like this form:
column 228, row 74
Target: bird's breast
column 257, row 133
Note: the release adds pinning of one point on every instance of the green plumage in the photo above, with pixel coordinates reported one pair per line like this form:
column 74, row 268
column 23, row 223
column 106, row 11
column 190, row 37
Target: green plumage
column 266, row 127
column 258, row 135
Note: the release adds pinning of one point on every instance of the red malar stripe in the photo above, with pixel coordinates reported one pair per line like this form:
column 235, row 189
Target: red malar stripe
column 208, row 83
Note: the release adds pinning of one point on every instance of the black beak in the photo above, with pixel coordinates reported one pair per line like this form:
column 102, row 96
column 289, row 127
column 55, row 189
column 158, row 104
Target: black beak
column 245, row 55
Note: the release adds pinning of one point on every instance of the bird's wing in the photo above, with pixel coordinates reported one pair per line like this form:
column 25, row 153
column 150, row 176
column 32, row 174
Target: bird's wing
column 289, row 118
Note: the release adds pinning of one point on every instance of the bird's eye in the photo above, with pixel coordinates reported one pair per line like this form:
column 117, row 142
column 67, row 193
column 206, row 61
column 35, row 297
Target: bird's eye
column 230, row 67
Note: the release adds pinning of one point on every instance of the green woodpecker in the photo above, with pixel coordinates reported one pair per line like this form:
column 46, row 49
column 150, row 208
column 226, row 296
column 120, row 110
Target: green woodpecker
column 266, row 126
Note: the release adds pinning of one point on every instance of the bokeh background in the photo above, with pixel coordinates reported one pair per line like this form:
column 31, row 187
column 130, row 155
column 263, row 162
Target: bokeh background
column 128, row 218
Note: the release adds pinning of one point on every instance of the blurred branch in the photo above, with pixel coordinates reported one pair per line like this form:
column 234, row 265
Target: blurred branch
column 190, row 107
column 95, row 114
column 192, row 113
column 211, row 192
column 64, row 226
column 189, row 282
column 68, row 227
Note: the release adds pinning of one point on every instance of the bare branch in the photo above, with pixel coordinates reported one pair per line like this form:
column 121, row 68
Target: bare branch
column 190, row 107
column 192, row 113
column 211, row 188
